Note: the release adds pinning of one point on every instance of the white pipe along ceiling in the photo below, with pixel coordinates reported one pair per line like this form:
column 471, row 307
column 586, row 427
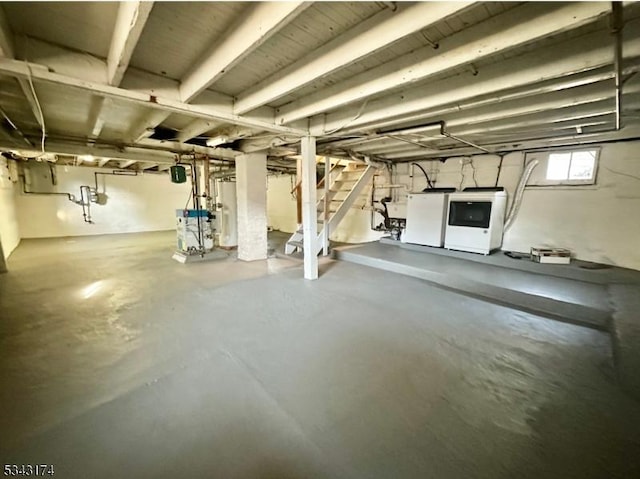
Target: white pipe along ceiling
column 140, row 83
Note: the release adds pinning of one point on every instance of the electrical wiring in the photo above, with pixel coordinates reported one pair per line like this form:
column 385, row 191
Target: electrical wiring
column 429, row 183
column 358, row 115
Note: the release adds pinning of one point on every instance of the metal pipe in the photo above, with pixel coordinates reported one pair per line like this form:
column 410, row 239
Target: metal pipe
column 207, row 181
column 412, row 142
column 419, row 128
column 113, row 173
column 584, row 78
column 617, row 24
column 461, row 140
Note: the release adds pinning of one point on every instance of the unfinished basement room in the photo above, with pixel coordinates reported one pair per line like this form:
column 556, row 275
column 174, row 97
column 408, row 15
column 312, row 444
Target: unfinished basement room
column 332, row 240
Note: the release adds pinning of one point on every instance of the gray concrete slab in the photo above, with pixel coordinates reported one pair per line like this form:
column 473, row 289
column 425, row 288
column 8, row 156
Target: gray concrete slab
column 568, row 300
column 243, row 370
column 577, row 269
column 626, row 335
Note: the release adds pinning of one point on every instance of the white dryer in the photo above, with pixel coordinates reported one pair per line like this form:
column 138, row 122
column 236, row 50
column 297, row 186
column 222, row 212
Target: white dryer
column 475, row 221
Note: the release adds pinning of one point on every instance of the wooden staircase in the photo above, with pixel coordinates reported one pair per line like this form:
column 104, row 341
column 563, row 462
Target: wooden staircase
column 332, row 208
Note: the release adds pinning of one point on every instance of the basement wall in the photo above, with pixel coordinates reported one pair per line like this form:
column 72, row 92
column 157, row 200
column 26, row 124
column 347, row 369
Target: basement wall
column 598, row 223
column 281, row 205
column 9, row 229
column 146, row 202
column 281, row 211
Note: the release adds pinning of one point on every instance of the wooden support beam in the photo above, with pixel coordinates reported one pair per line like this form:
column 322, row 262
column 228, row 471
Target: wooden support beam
column 127, row 164
column 516, row 27
column 578, row 55
column 6, row 36
column 131, row 19
column 132, row 16
column 196, row 128
column 253, row 28
column 258, row 24
column 371, row 35
column 38, row 72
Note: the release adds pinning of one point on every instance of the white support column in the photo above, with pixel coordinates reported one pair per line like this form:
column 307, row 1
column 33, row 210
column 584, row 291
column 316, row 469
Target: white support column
column 3, row 261
column 327, row 207
column 309, row 212
column 251, row 185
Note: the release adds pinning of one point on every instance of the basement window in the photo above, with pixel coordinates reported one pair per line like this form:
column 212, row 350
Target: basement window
column 565, row 167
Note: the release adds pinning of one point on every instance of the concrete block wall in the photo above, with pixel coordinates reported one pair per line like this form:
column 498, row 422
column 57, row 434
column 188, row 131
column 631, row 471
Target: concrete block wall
column 598, row 222
column 251, row 193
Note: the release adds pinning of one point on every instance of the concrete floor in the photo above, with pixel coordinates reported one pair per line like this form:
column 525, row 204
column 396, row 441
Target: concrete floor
column 118, row 362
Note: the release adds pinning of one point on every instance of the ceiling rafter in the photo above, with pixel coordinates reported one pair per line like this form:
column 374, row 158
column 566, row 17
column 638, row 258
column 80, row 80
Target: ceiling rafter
column 131, row 19
column 41, row 73
column 6, row 36
column 196, row 128
column 7, row 49
column 577, row 55
column 515, row 27
column 509, row 110
column 373, row 34
column 126, row 164
column 252, row 29
column 558, row 139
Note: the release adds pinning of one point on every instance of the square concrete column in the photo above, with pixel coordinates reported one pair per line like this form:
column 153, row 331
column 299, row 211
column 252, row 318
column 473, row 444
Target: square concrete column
column 251, row 191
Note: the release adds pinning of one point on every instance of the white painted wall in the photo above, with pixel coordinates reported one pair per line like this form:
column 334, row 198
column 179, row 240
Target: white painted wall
column 598, row 223
column 281, row 205
column 281, row 209
column 9, row 229
column 146, row 202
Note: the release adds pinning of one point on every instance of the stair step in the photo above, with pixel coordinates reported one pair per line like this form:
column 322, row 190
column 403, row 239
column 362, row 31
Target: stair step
column 298, row 244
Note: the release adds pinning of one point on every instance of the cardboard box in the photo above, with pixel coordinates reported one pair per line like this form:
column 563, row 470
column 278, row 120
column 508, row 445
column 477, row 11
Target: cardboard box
column 551, row 255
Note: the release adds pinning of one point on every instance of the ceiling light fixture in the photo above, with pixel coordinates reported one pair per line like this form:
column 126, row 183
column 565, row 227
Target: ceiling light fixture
column 217, row 140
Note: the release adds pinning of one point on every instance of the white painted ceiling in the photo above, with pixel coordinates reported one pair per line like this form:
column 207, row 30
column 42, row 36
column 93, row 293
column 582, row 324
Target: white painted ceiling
column 501, row 75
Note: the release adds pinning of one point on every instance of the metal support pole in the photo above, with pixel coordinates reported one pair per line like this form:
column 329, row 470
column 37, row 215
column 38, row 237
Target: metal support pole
column 327, row 205
column 617, row 23
column 309, row 212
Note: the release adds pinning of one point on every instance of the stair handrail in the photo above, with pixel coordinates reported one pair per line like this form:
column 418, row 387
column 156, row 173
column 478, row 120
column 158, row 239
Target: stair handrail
column 321, row 182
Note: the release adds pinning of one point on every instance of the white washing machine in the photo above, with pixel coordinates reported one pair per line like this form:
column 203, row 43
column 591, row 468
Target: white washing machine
column 475, row 221
column 426, row 217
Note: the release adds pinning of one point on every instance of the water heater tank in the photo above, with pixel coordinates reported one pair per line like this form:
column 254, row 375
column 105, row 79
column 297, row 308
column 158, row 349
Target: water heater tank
column 228, row 214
